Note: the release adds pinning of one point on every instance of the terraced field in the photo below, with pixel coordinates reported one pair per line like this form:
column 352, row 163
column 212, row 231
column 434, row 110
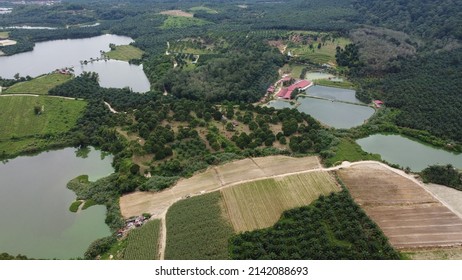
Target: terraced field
column 259, row 204
column 409, row 216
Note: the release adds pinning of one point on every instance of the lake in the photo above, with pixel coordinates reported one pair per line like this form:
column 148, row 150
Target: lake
column 331, row 93
column 51, row 55
column 34, row 204
column 400, row 150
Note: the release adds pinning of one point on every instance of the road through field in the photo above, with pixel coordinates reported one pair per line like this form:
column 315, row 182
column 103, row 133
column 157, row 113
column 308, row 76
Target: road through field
column 158, row 203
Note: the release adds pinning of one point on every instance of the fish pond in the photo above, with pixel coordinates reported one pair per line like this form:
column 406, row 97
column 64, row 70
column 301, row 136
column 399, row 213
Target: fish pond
column 333, row 107
column 34, row 204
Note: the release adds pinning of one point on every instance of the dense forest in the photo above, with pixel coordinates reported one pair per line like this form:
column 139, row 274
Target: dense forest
column 444, row 175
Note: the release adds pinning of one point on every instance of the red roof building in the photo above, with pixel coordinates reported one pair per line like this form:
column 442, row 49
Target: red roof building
column 378, row 103
column 286, row 93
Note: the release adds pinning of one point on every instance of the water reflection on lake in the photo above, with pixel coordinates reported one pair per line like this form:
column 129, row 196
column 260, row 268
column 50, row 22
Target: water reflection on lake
column 408, row 153
column 34, row 204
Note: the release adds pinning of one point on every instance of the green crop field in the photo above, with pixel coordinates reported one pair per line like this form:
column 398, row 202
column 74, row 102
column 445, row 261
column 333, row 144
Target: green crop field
column 197, row 229
column 40, row 85
column 181, row 22
column 348, row 150
column 125, row 53
column 259, row 204
column 18, row 118
column 142, row 243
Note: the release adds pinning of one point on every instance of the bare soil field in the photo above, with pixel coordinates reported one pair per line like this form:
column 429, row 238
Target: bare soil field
column 259, row 204
column 408, row 215
column 157, row 203
column 177, row 13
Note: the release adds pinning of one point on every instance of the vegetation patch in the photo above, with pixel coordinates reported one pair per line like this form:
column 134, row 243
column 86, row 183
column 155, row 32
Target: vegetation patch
column 182, row 22
column 338, row 84
column 197, row 229
column 444, row 175
column 203, row 9
column 125, row 53
column 333, row 227
column 75, row 206
column 349, row 150
column 259, row 204
column 142, row 243
column 40, row 85
column 89, row 203
column 22, row 116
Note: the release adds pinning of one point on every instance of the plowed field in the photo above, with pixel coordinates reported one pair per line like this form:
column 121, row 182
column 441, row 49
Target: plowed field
column 408, row 215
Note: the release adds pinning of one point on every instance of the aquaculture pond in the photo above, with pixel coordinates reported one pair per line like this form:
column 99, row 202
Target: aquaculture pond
column 400, row 150
column 34, row 204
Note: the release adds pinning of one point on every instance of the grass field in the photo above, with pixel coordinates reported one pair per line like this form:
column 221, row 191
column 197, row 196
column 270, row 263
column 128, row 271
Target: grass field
column 327, row 83
column 259, row 204
column 197, row 229
column 40, row 85
column 326, row 54
column 125, row 53
column 204, row 9
column 348, row 150
column 142, row 243
column 180, row 22
column 18, row 119
column 4, row 34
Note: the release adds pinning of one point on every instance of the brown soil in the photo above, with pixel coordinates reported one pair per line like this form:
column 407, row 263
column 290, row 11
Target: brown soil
column 408, row 215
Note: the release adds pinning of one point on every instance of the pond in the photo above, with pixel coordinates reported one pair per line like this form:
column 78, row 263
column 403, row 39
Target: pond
column 51, row 55
column 331, row 93
column 400, row 150
column 335, row 114
column 118, row 74
column 34, row 204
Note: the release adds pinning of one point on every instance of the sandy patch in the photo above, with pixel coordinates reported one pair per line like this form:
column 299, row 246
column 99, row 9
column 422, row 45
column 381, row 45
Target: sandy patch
column 176, row 13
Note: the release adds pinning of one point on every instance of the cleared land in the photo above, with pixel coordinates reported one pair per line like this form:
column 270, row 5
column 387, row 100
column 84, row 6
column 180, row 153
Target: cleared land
column 142, row 243
column 436, row 254
column 259, row 204
column 408, row 215
column 177, row 13
column 18, row 119
column 125, row 53
column 182, row 21
column 196, row 229
column 40, row 85
column 325, row 54
column 213, row 179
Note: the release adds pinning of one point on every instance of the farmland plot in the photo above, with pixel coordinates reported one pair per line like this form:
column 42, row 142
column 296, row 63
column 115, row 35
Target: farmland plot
column 259, row 204
column 408, row 215
column 142, row 243
column 197, row 229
